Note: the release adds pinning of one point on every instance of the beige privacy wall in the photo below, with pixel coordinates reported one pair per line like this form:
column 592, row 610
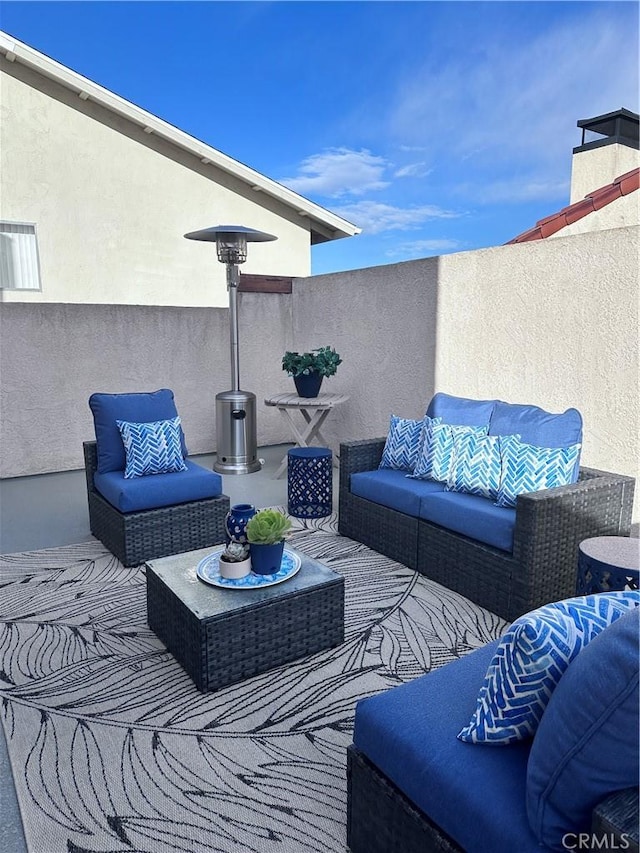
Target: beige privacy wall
column 553, row 323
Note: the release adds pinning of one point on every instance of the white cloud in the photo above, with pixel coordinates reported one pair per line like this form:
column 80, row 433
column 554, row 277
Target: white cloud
column 517, row 101
column 337, row 172
column 419, row 248
column 413, row 170
column 374, row 217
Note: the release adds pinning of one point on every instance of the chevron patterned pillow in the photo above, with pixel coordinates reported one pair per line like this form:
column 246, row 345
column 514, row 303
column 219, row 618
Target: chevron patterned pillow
column 526, row 468
column 436, row 457
column 152, row 448
column 531, row 659
column 404, row 441
column 477, row 465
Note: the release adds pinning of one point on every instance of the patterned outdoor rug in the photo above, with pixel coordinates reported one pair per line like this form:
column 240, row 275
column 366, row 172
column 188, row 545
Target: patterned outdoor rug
column 114, row 749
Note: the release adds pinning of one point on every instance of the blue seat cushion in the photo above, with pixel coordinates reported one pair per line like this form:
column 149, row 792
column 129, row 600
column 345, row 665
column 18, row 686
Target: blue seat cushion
column 535, row 426
column 460, row 410
column 135, row 408
column 586, row 746
column 153, row 492
column 393, row 489
column 475, row 794
column 471, row 515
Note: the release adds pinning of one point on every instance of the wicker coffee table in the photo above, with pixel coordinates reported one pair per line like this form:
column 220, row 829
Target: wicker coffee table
column 221, row 636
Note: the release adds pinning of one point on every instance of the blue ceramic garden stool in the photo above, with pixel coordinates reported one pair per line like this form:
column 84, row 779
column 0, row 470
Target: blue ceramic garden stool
column 310, row 482
column 607, row 564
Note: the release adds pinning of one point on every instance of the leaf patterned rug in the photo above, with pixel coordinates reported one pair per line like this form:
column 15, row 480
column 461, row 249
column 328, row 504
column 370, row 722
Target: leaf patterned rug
column 114, row 750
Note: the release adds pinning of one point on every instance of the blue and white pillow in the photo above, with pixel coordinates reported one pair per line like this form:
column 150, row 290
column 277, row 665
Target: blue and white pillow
column 152, row 448
column 477, row 465
column 527, row 468
column 404, row 441
column 531, row 659
column 436, row 457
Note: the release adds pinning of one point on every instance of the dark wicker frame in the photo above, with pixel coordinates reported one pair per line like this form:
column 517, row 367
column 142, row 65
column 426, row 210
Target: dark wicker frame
column 136, row 537
column 380, row 819
column 549, row 528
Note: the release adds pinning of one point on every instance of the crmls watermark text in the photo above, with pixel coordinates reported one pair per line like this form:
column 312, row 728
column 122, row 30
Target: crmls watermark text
column 591, row 841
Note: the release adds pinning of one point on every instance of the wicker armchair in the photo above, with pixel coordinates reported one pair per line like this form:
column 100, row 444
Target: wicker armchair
column 136, row 537
column 380, row 819
column 548, row 529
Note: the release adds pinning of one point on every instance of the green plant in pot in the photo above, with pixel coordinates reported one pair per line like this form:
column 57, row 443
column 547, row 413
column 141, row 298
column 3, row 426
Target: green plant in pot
column 309, row 368
column 266, row 533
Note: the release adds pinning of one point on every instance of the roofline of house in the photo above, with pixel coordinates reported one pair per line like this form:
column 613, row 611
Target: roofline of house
column 324, row 225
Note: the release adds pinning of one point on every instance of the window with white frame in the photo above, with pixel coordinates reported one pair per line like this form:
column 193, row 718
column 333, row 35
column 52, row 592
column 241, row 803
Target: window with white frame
column 19, row 263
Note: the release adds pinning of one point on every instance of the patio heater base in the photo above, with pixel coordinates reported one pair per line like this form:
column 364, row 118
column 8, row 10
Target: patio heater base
column 236, row 433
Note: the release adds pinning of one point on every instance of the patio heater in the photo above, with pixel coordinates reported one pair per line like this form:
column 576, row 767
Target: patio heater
column 235, row 409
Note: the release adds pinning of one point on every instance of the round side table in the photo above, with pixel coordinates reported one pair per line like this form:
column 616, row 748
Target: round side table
column 608, row 564
column 310, row 482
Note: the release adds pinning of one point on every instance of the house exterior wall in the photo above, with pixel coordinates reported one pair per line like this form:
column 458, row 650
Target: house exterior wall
column 597, row 167
column 551, row 322
column 111, row 205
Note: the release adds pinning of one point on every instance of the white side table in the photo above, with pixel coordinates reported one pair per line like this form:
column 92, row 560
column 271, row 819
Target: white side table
column 314, row 411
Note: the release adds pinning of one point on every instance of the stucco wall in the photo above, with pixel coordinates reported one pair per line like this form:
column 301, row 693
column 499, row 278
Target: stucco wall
column 597, row 167
column 53, row 357
column 111, row 205
column 622, row 212
column 552, row 323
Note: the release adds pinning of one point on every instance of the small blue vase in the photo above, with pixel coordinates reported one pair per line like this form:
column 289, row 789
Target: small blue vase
column 266, row 559
column 236, row 522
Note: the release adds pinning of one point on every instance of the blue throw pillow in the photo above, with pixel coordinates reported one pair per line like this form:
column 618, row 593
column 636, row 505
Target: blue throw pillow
column 526, row 468
column 436, row 456
column 476, row 466
column 587, row 744
column 531, row 659
column 403, row 442
column 152, row 448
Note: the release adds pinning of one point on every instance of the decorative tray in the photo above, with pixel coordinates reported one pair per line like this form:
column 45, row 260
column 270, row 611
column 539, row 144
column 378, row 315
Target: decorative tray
column 208, row 570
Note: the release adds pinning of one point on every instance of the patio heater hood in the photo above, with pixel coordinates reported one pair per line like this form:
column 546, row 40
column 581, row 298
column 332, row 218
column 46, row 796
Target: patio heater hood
column 237, row 445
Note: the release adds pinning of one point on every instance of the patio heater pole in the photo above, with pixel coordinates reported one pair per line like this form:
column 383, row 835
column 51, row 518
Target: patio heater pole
column 236, row 438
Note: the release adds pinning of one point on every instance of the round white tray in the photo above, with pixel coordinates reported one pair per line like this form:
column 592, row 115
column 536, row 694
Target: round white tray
column 208, row 570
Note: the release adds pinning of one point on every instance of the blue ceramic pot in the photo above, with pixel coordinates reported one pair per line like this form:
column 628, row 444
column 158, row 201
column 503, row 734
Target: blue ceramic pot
column 236, row 522
column 308, row 385
column 266, row 559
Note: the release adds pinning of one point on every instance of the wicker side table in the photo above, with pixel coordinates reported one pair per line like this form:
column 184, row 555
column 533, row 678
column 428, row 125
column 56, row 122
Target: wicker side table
column 310, row 482
column 608, row 564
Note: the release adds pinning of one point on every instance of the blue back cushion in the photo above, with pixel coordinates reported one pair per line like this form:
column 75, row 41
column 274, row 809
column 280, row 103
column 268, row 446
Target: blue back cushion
column 535, row 426
column 476, row 795
column 137, row 408
column 587, row 743
column 460, row 410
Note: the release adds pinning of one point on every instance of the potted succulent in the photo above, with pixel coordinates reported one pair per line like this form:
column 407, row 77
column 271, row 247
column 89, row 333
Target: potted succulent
column 235, row 560
column 309, row 368
column 266, row 533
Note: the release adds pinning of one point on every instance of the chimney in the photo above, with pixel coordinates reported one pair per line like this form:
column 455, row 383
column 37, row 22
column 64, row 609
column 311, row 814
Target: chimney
column 609, row 149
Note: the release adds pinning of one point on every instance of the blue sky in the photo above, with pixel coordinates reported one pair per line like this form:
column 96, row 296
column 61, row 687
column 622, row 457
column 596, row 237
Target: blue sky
column 436, row 127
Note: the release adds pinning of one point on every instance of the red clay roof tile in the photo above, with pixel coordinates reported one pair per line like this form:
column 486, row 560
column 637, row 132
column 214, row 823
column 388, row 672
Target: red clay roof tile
column 623, row 185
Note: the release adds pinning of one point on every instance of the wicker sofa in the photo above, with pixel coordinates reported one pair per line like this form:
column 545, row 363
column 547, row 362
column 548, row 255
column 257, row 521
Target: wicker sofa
column 538, row 566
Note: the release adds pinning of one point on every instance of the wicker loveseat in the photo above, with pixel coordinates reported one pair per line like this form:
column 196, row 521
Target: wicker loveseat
column 535, row 559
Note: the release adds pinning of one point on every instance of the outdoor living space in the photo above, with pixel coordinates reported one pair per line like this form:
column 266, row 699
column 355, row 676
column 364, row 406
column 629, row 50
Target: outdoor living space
column 93, row 688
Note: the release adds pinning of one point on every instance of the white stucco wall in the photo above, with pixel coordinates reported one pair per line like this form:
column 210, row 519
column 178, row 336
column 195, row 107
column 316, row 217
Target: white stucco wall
column 597, row 167
column 111, row 205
